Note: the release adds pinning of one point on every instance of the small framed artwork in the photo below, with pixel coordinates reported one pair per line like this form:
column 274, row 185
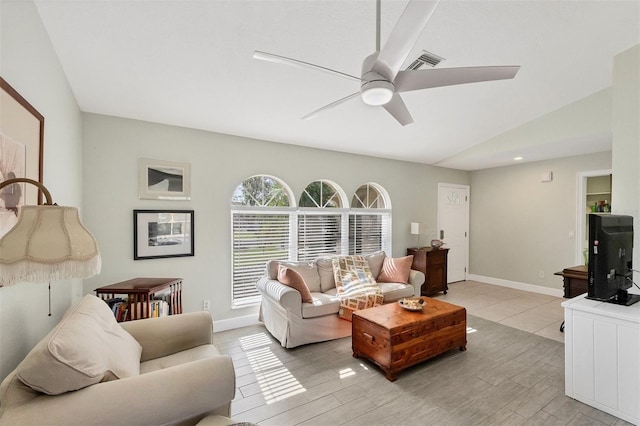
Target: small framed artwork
column 163, row 180
column 162, row 233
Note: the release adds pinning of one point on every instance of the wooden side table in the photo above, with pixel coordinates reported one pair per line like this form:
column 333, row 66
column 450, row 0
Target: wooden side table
column 575, row 283
column 433, row 264
column 575, row 280
column 141, row 293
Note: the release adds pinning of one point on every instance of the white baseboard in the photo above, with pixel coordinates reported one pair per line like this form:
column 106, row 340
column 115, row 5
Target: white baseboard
column 237, row 322
column 517, row 285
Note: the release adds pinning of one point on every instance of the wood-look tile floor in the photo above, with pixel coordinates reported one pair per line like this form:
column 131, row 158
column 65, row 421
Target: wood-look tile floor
column 510, row 374
column 533, row 312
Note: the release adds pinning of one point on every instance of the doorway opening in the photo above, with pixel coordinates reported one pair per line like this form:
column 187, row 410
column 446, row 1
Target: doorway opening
column 594, row 192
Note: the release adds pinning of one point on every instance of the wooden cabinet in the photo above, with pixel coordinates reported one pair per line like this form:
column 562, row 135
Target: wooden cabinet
column 433, row 264
column 141, row 294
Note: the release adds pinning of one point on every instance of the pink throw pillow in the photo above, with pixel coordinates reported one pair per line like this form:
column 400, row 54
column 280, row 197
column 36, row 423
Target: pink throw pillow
column 291, row 278
column 395, row 270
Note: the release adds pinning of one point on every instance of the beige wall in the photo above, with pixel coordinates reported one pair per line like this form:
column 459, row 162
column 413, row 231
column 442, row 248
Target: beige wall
column 520, row 225
column 218, row 164
column 29, row 64
column 626, row 141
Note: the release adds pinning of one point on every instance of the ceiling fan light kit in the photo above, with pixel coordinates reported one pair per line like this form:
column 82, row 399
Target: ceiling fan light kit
column 377, row 92
column 382, row 81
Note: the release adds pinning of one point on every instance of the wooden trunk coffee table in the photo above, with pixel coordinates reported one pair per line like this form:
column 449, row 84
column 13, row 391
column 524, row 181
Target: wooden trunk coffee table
column 395, row 338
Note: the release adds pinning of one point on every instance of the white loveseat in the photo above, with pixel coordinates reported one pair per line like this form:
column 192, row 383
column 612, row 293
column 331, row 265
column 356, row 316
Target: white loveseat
column 295, row 323
column 90, row 370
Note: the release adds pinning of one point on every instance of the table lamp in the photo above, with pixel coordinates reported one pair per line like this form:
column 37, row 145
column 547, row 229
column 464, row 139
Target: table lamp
column 415, row 230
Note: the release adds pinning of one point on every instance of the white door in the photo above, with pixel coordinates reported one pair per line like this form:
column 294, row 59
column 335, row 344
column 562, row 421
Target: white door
column 453, row 228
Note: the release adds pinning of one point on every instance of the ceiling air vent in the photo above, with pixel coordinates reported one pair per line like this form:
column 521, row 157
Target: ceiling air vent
column 426, row 58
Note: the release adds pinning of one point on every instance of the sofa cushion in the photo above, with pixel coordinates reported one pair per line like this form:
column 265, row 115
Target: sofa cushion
column 395, row 270
column 291, row 278
column 325, row 270
column 396, row 291
column 308, row 270
column 375, row 262
column 86, row 347
column 323, row 304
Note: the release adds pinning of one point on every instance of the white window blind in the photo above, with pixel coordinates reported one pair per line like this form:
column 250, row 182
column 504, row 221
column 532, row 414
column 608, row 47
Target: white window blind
column 369, row 232
column 319, row 234
column 257, row 237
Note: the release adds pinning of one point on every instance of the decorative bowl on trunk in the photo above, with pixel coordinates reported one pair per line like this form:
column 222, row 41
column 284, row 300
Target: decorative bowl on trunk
column 436, row 244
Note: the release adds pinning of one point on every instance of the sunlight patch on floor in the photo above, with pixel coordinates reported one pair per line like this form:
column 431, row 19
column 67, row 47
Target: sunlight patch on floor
column 254, row 341
column 346, row 372
column 471, row 330
column 276, row 381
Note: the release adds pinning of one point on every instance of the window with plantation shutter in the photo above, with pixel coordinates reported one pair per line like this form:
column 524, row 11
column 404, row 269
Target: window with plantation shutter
column 320, row 222
column 258, row 237
column 261, row 229
column 369, row 221
column 369, row 232
column 319, row 234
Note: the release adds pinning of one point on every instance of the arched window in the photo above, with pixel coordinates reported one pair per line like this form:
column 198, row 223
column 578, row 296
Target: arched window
column 370, row 220
column 267, row 225
column 321, row 194
column 261, row 191
column 320, row 221
column 261, row 214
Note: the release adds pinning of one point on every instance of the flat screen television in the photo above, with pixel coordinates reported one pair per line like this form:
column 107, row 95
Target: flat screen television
column 610, row 270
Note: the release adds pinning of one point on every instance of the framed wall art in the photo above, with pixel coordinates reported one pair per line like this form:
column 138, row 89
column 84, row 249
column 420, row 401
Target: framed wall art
column 162, row 233
column 163, row 180
column 21, row 145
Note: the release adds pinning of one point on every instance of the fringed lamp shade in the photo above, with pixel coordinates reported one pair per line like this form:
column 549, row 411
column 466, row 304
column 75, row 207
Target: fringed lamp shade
column 48, row 243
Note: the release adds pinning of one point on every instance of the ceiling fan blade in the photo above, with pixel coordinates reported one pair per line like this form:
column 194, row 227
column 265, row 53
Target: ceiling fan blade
column 398, row 109
column 331, row 105
column 403, row 37
column 264, row 56
column 425, row 79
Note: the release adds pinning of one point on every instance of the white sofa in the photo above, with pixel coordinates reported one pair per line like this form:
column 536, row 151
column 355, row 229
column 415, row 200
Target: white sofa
column 91, row 370
column 295, row 323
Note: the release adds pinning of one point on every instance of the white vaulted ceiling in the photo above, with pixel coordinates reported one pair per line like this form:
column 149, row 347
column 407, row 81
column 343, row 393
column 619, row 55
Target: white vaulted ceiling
column 189, row 63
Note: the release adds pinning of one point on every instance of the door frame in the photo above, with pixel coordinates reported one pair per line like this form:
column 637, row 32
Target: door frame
column 581, row 200
column 467, row 188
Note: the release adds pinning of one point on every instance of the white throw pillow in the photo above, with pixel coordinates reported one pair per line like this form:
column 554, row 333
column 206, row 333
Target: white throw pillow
column 87, row 347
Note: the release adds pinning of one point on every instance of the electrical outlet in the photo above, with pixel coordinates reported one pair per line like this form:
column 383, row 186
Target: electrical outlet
column 541, row 275
column 206, row 305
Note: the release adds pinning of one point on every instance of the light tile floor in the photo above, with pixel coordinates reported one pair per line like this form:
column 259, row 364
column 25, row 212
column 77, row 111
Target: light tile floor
column 532, row 312
column 506, row 377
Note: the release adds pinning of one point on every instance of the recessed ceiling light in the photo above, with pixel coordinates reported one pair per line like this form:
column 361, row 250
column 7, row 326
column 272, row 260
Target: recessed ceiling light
column 518, row 158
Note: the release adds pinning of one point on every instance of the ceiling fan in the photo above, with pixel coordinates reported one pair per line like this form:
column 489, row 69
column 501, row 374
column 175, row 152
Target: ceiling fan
column 382, row 81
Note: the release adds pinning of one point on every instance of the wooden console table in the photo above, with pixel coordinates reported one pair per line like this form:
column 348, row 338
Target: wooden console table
column 141, row 293
column 575, row 280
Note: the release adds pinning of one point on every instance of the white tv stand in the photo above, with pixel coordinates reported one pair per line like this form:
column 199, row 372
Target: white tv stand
column 602, row 356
